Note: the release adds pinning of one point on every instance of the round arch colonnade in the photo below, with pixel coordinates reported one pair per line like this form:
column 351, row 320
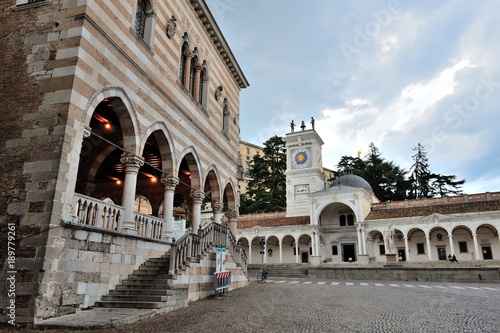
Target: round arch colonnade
column 123, row 156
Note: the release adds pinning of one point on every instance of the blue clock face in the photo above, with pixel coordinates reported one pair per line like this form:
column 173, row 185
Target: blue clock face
column 301, row 157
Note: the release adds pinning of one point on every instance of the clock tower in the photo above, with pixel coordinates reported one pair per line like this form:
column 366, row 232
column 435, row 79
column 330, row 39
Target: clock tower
column 304, row 170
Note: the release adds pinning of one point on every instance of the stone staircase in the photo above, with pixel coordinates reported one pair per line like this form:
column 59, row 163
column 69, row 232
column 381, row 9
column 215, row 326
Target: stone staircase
column 148, row 287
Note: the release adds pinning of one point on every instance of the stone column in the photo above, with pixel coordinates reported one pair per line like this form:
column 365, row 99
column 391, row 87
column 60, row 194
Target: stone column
column 363, row 240
column 452, row 246
column 198, row 197
column 232, row 216
column 250, row 252
column 407, row 249
column 196, row 83
column 476, row 247
column 169, row 183
column 428, row 242
column 360, row 246
column 281, row 252
column 132, row 165
column 188, row 57
column 217, row 209
column 297, row 254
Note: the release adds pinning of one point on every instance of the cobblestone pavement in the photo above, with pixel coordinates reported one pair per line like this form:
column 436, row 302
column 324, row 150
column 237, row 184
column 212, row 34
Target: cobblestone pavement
column 313, row 305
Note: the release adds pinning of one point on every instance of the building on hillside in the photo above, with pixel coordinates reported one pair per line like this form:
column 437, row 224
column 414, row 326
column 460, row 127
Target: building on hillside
column 346, row 222
column 113, row 112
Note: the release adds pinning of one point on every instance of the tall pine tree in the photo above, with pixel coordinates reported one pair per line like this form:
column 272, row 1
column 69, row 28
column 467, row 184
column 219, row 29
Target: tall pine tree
column 425, row 184
column 266, row 191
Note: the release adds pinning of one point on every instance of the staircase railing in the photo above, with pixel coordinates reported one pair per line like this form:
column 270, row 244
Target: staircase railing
column 192, row 246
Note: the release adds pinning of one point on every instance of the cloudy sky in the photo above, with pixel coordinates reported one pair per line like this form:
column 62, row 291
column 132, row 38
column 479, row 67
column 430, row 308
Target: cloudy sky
column 392, row 72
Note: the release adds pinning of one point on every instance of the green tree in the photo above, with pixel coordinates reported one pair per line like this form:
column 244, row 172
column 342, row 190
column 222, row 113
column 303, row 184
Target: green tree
column 420, row 175
column 444, row 185
column 386, row 179
column 266, row 191
column 425, row 184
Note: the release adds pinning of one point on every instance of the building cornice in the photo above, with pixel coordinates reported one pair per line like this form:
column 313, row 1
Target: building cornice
column 206, row 18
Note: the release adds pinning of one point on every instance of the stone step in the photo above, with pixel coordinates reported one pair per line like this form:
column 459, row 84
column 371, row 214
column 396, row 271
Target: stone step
column 147, row 279
column 135, row 298
column 156, row 264
column 145, row 285
column 137, row 291
column 135, row 305
column 148, row 271
column 161, row 260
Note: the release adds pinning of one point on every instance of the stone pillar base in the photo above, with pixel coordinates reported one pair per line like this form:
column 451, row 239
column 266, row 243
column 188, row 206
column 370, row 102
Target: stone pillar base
column 315, row 260
column 130, row 230
column 363, row 259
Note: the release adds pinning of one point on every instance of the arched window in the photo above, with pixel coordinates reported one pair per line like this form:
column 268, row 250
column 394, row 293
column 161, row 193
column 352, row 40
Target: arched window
column 192, row 72
column 144, row 20
column 182, row 68
column 342, row 220
column 225, row 118
column 140, row 18
column 203, row 80
column 350, row 219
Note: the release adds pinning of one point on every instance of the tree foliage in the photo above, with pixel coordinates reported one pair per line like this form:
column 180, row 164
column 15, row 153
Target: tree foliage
column 425, row 184
column 386, row 179
column 391, row 182
column 266, row 191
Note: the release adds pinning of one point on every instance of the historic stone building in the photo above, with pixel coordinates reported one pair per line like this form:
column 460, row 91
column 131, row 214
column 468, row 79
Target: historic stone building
column 114, row 112
column 346, row 222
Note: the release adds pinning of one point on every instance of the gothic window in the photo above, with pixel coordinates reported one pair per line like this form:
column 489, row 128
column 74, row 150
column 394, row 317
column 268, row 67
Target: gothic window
column 144, row 20
column 182, row 64
column 225, row 118
column 140, row 18
column 192, row 71
column 203, row 85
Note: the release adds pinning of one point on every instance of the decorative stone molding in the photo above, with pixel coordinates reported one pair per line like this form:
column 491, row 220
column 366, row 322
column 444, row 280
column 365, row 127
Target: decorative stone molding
column 218, row 92
column 132, row 162
column 232, row 214
column 217, row 207
column 170, row 182
column 197, row 196
column 171, row 27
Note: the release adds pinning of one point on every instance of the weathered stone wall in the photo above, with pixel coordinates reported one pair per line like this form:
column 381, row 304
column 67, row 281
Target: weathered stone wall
column 87, row 265
column 34, row 114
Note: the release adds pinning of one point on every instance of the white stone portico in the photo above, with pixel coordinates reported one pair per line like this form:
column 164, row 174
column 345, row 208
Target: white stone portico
column 346, row 222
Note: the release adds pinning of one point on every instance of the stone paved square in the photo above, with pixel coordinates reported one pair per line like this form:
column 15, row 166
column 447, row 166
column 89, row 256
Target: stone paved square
column 309, row 305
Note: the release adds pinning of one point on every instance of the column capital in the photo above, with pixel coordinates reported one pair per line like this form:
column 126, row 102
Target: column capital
column 197, row 196
column 198, row 67
column 189, row 54
column 217, row 207
column 232, row 214
column 132, row 162
column 169, row 182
